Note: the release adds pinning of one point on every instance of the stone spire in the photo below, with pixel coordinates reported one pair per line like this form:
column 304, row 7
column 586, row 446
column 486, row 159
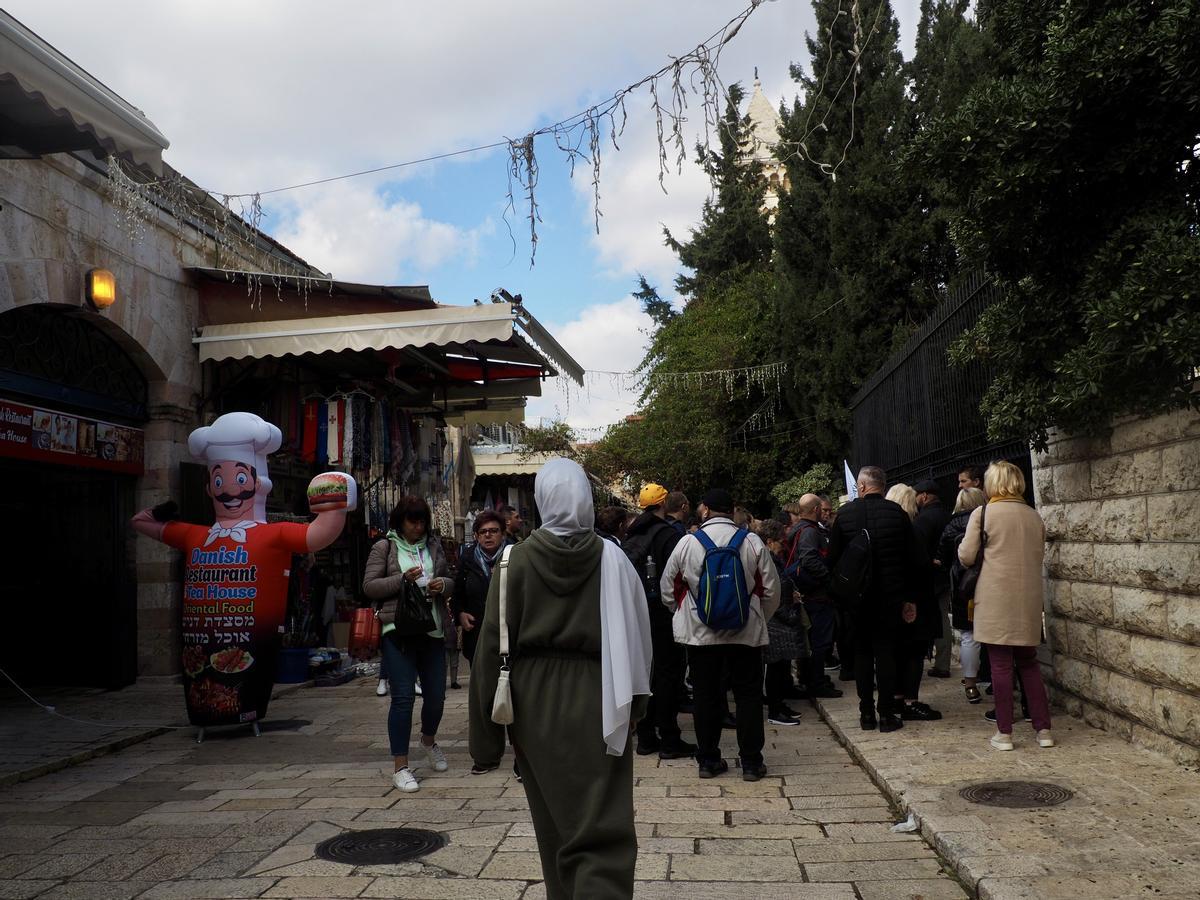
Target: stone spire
column 761, row 138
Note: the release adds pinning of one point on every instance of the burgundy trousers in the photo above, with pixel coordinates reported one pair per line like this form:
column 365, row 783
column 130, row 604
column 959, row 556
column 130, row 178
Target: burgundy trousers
column 1025, row 659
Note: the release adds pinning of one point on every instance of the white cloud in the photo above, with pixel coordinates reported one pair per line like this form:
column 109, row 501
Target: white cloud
column 358, row 235
column 605, row 337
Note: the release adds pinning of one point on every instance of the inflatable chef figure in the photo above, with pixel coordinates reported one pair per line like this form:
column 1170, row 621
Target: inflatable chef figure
column 236, row 571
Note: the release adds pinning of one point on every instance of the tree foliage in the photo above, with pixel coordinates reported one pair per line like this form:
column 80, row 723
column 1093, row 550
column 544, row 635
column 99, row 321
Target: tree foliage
column 820, row 479
column 1074, row 181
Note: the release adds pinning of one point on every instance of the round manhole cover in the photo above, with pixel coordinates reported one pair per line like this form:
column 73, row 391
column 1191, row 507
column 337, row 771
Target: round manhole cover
column 1016, row 794
column 380, row 846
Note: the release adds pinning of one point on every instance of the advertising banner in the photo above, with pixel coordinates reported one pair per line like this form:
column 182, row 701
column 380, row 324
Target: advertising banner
column 45, row 435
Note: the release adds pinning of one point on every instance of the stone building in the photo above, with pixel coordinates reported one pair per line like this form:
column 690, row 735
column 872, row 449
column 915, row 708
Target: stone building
column 758, row 146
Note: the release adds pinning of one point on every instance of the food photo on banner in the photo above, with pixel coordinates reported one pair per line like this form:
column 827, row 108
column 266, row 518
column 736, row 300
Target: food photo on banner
column 236, row 571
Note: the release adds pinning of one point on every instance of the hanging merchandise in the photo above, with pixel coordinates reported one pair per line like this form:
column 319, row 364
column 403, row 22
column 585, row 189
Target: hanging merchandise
column 308, row 444
column 348, row 433
column 333, row 446
column 323, row 433
column 341, row 430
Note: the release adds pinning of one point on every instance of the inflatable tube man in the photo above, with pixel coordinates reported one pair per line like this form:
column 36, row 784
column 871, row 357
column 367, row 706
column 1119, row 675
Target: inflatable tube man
column 236, row 571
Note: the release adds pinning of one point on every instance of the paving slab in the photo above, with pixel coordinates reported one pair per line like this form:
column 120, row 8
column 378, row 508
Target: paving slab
column 1130, row 828
column 240, row 817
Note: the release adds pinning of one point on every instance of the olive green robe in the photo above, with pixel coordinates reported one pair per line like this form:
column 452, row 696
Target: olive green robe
column 581, row 799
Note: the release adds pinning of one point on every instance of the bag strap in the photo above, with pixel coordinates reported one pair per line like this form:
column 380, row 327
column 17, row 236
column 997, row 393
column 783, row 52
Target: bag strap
column 982, row 533
column 705, row 541
column 503, row 603
column 735, row 542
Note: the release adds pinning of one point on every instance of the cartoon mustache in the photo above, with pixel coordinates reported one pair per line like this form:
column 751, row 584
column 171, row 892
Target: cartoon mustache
column 230, row 498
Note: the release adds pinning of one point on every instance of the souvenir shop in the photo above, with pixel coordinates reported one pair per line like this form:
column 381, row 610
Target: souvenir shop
column 385, row 387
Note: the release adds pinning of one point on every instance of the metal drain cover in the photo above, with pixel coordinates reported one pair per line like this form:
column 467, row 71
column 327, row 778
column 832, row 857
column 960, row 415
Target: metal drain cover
column 1016, row 794
column 380, row 846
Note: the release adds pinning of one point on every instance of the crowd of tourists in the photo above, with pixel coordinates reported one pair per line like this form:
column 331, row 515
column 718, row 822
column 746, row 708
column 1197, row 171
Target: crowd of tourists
column 589, row 636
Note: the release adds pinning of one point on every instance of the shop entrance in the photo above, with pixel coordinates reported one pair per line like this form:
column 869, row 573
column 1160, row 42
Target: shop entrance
column 66, row 576
column 72, row 401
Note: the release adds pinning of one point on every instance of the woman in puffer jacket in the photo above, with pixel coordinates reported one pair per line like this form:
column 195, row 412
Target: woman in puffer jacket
column 960, row 614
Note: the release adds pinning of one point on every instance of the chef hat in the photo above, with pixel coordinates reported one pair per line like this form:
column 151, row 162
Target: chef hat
column 239, row 436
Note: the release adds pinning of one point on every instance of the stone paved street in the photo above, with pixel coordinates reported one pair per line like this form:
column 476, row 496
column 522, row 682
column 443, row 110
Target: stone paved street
column 1132, row 828
column 240, row 817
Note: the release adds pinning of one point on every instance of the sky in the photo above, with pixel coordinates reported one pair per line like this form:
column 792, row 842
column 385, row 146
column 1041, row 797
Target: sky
column 257, row 96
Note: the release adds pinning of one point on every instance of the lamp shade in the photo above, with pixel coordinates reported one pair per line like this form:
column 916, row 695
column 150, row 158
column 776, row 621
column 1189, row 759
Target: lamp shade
column 101, row 288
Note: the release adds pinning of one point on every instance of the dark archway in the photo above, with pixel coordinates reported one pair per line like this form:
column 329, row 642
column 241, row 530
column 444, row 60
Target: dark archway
column 66, row 564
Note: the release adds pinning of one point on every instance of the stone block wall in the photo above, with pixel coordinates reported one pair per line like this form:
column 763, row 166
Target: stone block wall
column 1122, row 517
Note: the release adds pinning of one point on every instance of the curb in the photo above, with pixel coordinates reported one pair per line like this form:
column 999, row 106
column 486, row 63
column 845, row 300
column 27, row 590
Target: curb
column 897, row 799
column 104, row 749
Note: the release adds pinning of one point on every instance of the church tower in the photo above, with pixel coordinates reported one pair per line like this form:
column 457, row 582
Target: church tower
column 761, row 138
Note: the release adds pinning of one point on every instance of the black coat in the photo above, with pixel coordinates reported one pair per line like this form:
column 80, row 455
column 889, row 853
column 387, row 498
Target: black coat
column 952, row 536
column 657, row 537
column 897, row 562
column 931, row 521
column 470, row 595
column 809, row 555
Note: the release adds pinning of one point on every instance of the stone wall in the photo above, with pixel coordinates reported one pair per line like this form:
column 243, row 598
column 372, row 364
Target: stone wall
column 1122, row 517
column 57, row 220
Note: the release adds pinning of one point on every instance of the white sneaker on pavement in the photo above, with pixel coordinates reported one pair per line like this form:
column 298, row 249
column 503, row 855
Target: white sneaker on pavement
column 404, row 780
column 417, row 689
column 381, row 689
column 436, row 758
column 1045, row 738
column 1002, row 741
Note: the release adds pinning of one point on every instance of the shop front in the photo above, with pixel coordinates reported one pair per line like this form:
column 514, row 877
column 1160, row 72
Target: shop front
column 377, row 381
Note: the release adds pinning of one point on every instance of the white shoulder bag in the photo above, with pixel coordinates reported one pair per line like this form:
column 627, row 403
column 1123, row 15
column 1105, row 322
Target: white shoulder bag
column 502, row 705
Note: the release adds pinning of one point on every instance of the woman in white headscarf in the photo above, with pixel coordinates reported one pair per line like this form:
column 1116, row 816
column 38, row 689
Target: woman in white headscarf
column 580, row 656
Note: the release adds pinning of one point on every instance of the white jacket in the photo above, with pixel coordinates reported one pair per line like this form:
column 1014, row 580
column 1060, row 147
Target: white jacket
column 681, row 577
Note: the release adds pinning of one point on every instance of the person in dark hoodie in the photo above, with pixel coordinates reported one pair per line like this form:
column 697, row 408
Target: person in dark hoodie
column 808, row 568
column 648, row 544
column 580, row 657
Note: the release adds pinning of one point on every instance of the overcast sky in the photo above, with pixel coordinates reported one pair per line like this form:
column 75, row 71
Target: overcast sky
column 258, row 95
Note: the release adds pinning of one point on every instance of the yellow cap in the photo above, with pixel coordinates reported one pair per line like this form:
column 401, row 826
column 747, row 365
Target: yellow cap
column 652, row 495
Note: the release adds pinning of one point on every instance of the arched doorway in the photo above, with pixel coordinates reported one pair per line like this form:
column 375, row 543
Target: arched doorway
column 72, row 403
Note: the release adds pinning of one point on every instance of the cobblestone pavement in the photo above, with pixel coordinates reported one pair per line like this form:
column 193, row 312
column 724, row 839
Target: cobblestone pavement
column 240, row 816
column 1132, row 828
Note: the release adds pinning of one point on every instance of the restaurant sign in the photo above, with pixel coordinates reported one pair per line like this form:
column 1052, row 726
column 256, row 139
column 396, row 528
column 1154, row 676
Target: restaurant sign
column 45, row 435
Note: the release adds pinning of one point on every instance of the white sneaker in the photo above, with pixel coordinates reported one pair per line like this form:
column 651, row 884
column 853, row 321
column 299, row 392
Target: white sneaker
column 1045, row 738
column 381, row 689
column 404, row 780
column 1002, row 741
column 417, row 689
column 436, row 758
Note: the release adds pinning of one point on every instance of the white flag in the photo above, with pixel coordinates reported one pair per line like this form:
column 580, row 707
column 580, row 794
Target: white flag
column 851, row 484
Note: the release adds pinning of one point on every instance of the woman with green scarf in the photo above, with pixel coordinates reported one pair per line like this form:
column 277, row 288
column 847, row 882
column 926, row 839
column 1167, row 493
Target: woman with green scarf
column 408, row 553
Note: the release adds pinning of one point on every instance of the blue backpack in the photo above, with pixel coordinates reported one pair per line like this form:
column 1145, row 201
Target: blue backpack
column 722, row 601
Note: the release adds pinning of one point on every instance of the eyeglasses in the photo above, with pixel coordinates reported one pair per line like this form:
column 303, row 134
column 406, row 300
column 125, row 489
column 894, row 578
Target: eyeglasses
column 488, row 531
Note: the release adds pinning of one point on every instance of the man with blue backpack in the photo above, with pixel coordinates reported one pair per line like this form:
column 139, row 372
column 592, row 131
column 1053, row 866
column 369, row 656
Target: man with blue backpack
column 722, row 587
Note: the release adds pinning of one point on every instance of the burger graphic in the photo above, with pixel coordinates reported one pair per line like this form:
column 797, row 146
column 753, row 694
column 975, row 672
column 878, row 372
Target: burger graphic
column 330, row 491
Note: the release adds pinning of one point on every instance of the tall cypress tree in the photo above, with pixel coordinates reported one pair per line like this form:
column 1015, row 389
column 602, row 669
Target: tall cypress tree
column 844, row 242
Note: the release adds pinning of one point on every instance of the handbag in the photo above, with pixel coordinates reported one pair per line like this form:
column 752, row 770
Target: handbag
column 413, row 614
column 968, row 581
column 502, row 704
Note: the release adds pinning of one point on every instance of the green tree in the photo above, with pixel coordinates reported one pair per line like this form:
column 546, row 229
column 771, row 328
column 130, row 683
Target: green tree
column 659, row 310
column 1073, row 176
column 733, row 234
column 849, row 247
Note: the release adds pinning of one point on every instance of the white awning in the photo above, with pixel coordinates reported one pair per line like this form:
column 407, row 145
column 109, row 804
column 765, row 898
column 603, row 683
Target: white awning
column 53, row 105
column 371, row 331
column 508, row 463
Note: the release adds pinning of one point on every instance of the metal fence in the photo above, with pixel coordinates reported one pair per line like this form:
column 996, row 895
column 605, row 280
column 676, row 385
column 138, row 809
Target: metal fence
column 918, row 416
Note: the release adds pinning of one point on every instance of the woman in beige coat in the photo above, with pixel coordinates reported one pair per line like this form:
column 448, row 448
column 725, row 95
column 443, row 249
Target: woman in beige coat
column 1008, row 597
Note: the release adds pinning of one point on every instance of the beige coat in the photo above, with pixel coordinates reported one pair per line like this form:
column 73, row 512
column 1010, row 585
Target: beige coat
column 1008, row 598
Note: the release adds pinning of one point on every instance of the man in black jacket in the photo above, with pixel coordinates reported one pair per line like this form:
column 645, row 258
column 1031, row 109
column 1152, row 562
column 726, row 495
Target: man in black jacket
column 889, row 594
column 931, row 521
column 808, row 569
column 648, row 543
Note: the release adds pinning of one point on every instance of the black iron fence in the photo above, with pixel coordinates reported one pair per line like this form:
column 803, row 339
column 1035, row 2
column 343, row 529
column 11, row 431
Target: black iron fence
column 918, row 416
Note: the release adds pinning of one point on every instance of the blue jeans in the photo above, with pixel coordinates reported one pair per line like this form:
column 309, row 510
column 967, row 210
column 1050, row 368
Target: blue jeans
column 406, row 658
